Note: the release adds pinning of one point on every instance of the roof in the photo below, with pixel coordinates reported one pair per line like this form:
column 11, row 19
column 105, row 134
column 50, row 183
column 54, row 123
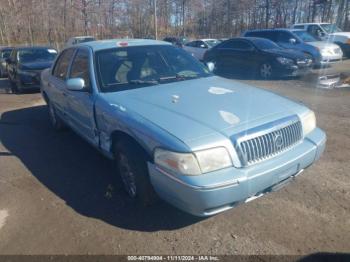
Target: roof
column 78, row 37
column 270, row 29
column 33, row 47
column 112, row 43
column 313, row 23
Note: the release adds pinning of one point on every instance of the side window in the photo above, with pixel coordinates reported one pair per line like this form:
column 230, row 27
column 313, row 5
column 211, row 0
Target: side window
column 80, row 67
column 227, row 45
column 298, row 27
column 284, row 37
column 61, row 68
column 239, row 45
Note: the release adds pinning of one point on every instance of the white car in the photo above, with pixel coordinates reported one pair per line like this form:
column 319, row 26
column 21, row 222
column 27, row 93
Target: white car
column 198, row 47
column 328, row 32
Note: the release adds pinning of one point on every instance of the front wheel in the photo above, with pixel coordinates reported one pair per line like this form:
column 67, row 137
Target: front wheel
column 131, row 163
column 266, row 71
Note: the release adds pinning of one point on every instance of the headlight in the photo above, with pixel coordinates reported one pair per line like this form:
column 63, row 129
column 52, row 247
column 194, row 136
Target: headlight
column 308, row 122
column 193, row 164
column 285, row 61
column 213, row 159
column 326, row 52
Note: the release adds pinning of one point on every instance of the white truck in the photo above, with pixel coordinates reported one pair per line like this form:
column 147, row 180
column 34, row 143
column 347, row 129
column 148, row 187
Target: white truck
column 328, row 32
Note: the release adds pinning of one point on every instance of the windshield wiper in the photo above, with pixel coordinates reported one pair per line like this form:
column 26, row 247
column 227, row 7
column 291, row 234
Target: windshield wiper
column 143, row 82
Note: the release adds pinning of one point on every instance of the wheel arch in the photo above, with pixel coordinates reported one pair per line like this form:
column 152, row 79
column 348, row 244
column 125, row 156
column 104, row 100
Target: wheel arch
column 119, row 135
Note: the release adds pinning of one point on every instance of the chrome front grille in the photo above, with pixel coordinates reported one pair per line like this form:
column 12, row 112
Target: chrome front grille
column 258, row 144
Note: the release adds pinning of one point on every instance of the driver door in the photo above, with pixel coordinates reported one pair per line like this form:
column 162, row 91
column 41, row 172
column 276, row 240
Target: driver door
column 80, row 104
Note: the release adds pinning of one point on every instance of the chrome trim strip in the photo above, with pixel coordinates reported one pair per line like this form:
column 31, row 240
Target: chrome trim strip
column 215, row 186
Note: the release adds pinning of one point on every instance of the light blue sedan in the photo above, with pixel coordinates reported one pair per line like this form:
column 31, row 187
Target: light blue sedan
column 200, row 142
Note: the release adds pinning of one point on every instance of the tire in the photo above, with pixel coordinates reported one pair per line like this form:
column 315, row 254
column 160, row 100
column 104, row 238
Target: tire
column 265, row 71
column 131, row 163
column 55, row 120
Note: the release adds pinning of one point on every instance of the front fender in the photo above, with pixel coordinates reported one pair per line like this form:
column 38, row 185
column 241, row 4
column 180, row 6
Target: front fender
column 111, row 118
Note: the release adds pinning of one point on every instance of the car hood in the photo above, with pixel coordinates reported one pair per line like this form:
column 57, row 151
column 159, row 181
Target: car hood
column 347, row 34
column 289, row 53
column 36, row 65
column 195, row 108
column 323, row 45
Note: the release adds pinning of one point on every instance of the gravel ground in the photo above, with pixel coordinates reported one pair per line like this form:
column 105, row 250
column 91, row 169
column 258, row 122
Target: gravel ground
column 59, row 196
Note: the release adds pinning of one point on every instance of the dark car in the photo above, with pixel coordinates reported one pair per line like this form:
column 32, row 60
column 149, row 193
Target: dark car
column 177, row 41
column 25, row 65
column 286, row 38
column 259, row 56
column 5, row 53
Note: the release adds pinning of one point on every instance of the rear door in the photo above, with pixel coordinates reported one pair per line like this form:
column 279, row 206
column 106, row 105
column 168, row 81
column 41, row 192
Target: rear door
column 80, row 104
column 57, row 82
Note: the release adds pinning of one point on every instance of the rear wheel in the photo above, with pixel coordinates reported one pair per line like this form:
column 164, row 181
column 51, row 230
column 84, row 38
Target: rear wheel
column 131, row 163
column 266, row 71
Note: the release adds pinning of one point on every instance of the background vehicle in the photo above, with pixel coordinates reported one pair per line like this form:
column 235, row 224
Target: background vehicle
column 287, row 39
column 79, row 39
column 25, row 65
column 330, row 53
column 177, row 41
column 328, row 32
column 5, row 53
column 198, row 47
column 259, row 55
column 136, row 102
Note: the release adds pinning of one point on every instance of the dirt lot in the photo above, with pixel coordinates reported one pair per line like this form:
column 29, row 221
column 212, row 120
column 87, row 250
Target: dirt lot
column 59, row 196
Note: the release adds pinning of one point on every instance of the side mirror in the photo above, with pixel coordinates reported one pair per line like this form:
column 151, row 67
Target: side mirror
column 210, row 66
column 75, row 84
column 292, row 41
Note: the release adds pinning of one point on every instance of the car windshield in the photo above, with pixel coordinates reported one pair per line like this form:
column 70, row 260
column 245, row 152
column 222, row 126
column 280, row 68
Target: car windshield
column 331, row 28
column 212, row 42
column 36, row 55
column 139, row 66
column 6, row 53
column 305, row 36
column 265, row 44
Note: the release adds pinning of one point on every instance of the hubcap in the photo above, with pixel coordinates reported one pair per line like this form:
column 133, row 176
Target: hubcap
column 266, row 71
column 127, row 175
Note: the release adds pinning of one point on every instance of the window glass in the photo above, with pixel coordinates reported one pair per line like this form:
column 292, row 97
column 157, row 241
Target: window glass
column 62, row 64
column 80, row 67
column 6, row 53
column 29, row 55
column 133, row 67
column 305, row 36
column 238, row 44
column 284, row 37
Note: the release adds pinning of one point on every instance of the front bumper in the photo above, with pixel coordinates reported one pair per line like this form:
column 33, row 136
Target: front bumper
column 215, row 192
column 294, row 70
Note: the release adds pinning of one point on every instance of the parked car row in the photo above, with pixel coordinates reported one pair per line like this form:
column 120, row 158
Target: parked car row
column 284, row 52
